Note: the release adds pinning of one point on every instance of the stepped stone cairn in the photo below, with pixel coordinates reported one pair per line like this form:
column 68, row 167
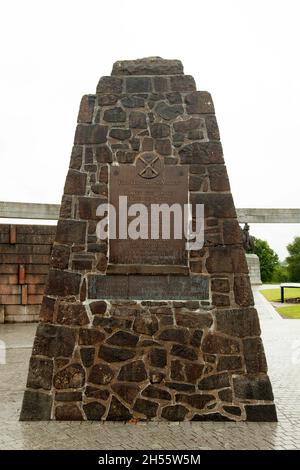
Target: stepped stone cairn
column 144, row 329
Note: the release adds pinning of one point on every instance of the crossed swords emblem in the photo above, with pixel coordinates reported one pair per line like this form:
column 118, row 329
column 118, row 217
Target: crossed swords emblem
column 149, row 170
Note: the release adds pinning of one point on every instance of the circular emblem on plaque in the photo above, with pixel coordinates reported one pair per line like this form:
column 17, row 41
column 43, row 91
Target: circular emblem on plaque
column 148, row 165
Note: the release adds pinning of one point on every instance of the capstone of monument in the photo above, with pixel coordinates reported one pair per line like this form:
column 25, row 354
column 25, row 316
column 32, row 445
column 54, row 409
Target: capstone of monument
column 142, row 328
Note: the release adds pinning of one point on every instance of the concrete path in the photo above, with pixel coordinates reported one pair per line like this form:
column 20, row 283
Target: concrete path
column 282, row 344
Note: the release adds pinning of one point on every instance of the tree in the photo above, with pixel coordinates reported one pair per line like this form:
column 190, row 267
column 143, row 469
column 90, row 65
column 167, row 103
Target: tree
column 280, row 274
column 268, row 259
column 293, row 260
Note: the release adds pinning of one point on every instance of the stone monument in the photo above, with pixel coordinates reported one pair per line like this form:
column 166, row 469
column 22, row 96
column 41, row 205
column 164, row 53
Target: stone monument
column 252, row 259
column 136, row 329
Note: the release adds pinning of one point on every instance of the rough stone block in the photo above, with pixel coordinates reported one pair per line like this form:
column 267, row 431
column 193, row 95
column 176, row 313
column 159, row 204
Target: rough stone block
column 231, row 232
column 75, row 182
column 76, row 157
column 90, row 336
column 127, row 392
column 63, row 283
column 230, row 363
column 70, row 313
column 168, row 112
column 248, row 387
column 72, row 376
column 123, row 338
column 159, row 130
column 36, row 406
column 117, row 411
column 242, row 291
column 220, row 285
column 216, row 344
column 114, row 115
column 101, row 374
column 238, row 322
column 137, row 120
column 174, row 413
column 199, row 102
column 133, row 372
column 68, row 412
column 158, row 357
column 147, row 66
column 133, row 102
column 138, row 85
column 68, row 396
column 153, row 391
column 201, row 153
column 254, row 355
column 54, row 341
column 88, row 206
column 90, row 134
column 40, row 373
column 110, row 85
column 86, row 109
column 218, row 178
column 61, row 253
column 103, row 154
column 113, row 354
column 261, row 413
column 196, row 400
column 182, row 83
column 120, row 134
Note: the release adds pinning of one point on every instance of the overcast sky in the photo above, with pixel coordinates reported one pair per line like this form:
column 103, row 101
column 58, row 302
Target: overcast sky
column 245, row 52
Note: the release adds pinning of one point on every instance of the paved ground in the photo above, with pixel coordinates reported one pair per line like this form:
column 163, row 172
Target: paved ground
column 282, row 344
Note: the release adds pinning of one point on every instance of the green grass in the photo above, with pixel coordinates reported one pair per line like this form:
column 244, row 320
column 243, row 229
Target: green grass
column 292, row 311
column 273, row 295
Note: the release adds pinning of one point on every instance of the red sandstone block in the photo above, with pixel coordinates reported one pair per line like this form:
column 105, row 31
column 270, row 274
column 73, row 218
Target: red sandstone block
column 24, row 318
column 25, row 249
column 6, row 248
column 36, row 289
column 21, row 274
column 35, row 249
column 9, row 279
column 34, row 299
column 36, row 268
column 24, row 259
column 4, row 228
column 44, row 239
column 24, row 295
column 36, row 229
column 20, row 311
column 8, row 268
column 12, row 234
column 4, row 237
column 35, row 278
column 10, row 299
column 9, row 289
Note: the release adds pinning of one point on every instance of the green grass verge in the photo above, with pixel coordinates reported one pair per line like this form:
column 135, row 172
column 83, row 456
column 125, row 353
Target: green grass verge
column 292, row 311
column 273, row 295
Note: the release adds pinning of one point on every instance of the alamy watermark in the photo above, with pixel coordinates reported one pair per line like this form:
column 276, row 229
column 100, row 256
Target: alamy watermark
column 157, row 221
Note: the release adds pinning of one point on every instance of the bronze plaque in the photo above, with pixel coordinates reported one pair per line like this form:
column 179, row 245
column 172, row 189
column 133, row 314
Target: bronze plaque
column 149, row 182
column 143, row 287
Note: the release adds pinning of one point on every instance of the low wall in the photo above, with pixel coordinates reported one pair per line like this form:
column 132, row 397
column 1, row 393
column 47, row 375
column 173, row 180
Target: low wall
column 24, row 261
